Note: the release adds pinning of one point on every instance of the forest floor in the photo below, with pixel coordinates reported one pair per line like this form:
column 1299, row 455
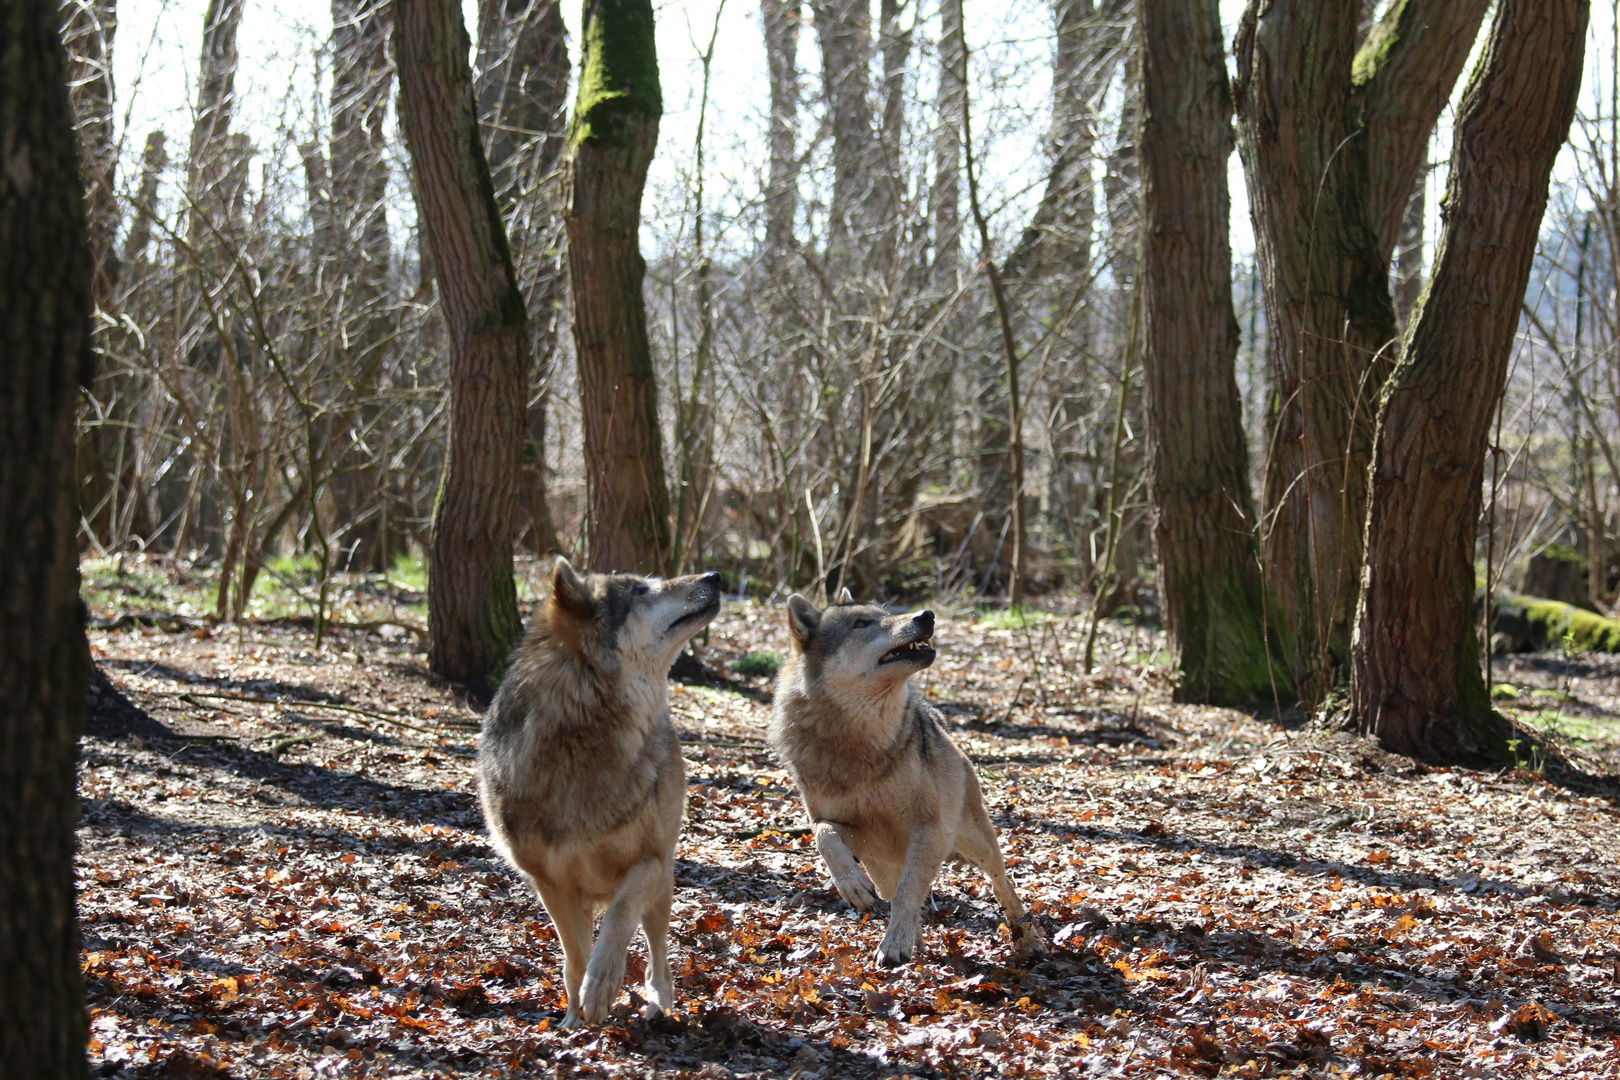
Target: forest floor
column 284, row 874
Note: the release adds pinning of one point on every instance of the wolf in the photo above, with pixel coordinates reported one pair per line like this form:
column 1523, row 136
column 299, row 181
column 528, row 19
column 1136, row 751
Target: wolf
column 580, row 773
column 890, row 797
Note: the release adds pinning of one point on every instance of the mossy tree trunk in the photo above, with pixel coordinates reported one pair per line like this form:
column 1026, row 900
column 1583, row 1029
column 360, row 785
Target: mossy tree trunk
column 472, row 601
column 611, row 141
column 45, row 308
column 1332, row 138
column 1203, row 524
column 1417, row 683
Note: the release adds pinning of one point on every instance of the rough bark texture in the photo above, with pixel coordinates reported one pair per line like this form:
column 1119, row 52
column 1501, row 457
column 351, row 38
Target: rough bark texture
column 1332, row 139
column 209, row 162
column 88, row 37
column 945, row 194
column 362, row 76
column 45, row 307
column 1209, row 579
column 781, row 25
column 611, row 141
column 472, row 601
column 522, row 105
column 1417, row 684
column 1089, row 39
column 844, row 30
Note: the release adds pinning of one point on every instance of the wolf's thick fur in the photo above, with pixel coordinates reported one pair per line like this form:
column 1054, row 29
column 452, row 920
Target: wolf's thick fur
column 889, row 795
column 580, row 773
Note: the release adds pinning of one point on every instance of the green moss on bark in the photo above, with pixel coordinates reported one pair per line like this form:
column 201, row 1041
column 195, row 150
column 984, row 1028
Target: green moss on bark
column 618, row 78
column 1229, row 662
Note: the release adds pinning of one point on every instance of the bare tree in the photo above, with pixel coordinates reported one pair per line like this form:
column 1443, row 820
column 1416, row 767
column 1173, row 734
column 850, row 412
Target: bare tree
column 611, row 141
column 1332, row 139
column 1418, row 685
column 472, row 600
column 45, row 307
column 1209, row 579
column 522, row 105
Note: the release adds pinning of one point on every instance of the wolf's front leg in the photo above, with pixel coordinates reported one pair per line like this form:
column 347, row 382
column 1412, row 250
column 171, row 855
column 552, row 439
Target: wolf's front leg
column 848, row 877
column 604, row 975
column 924, row 855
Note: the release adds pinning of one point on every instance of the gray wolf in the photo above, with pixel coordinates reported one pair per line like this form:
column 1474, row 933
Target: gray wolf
column 580, row 773
column 890, row 797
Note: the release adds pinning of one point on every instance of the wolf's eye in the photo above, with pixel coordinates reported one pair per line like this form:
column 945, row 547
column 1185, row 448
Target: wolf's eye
column 642, row 590
column 862, row 624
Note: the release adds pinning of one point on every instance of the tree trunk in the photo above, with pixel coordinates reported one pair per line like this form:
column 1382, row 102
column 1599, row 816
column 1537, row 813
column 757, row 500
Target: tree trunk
column 362, row 76
column 1417, row 683
column 1332, row 139
column 522, row 104
column 154, row 160
column 88, row 36
column 216, row 103
column 945, row 194
column 844, row 30
column 611, row 142
column 781, row 24
column 472, row 600
column 1209, row 580
column 45, row 308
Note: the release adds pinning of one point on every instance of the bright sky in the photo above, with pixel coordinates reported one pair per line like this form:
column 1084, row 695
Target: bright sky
column 281, row 92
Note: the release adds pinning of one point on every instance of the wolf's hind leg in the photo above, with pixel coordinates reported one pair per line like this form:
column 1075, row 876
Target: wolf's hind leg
column 604, row 976
column 927, row 850
column 848, row 877
column 659, row 986
column 571, row 914
column 976, row 842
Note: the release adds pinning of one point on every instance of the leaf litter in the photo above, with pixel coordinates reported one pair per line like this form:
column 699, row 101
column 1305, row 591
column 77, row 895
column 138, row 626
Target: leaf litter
column 274, row 889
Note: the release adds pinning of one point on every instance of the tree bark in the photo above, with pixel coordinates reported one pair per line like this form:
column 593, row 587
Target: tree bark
column 45, row 308
column 844, row 30
column 611, row 142
column 216, row 104
column 472, row 600
column 1209, row 579
column 1332, row 139
column 945, row 194
column 522, row 104
column 88, row 36
column 1418, row 686
column 781, row 25
column 362, row 75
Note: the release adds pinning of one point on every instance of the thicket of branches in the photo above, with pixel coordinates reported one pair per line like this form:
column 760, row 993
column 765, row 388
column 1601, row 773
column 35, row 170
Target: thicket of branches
column 860, row 358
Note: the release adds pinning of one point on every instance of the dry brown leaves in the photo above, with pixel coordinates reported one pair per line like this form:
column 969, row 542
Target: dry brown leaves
column 270, row 889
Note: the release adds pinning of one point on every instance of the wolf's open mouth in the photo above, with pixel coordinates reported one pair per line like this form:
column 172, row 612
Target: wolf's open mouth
column 707, row 611
column 910, row 650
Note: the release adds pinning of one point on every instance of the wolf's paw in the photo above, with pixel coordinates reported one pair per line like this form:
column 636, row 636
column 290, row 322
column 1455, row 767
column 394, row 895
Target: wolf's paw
column 596, row 999
column 571, row 1020
column 898, row 946
column 859, row 892
column 660, row 999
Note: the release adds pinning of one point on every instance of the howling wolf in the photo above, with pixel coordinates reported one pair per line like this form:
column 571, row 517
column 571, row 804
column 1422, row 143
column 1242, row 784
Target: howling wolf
column 580, row 774
column 890, row 796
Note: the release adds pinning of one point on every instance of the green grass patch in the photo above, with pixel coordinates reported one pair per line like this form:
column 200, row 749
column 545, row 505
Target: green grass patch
column 409, row 572
column 756, row 663
column 1013, row 618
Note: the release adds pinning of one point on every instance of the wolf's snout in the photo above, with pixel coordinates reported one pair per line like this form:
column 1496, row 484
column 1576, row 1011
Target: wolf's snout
column 924, row 622
column 712, row 579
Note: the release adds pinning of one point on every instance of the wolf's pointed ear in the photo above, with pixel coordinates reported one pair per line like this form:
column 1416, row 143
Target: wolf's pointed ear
column 803, row 618
column 845, row 596
column 569, row 591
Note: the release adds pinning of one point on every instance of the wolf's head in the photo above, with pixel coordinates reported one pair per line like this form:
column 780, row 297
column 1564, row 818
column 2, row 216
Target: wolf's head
column 625, row 623
column 858, row 650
